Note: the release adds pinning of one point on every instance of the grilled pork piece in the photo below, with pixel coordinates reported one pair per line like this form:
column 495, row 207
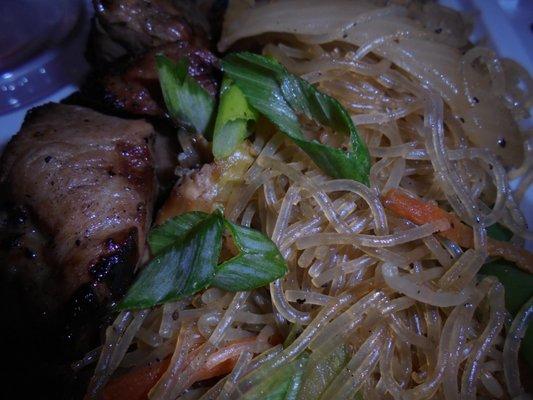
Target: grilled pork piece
column 139, row 25
column 77, row 191
column 87, row 183
column 133, row 86
column 128, row 35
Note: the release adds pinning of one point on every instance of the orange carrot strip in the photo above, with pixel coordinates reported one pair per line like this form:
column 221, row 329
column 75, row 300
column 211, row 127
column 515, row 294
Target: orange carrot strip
column 136, row 383
column 421, row 212
column 222, row 361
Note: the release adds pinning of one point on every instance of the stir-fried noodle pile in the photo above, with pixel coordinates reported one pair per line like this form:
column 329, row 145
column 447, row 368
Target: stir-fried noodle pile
column 401, row 305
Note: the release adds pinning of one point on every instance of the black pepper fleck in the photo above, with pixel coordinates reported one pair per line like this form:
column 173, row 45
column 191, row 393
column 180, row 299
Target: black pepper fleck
column 438, row 30
column 345, row 36
column 17, row 216
column 47, row 159
column 462, row 119
column 77, row 242
column 476, row 100
column 501, row 142
column 12, row 242
column 29, row 254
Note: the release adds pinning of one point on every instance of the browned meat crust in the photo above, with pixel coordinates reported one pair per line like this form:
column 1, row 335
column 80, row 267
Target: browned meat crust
column 139, row 25
column 88, row 182
column 133, row 86
column 127, row 36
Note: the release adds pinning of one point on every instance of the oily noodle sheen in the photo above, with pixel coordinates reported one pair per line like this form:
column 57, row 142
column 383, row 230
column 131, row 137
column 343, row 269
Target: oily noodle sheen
column 441, row 120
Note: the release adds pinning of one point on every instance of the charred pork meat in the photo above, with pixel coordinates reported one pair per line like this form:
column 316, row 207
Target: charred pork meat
column 139, row 25
column 132, row 86
column 77, row 191
column 87, row 182
column 129, row 33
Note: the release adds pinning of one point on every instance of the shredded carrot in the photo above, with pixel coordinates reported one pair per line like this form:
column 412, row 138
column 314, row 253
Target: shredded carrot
column 222, row 361
column 136, row 383
column 421, row 212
